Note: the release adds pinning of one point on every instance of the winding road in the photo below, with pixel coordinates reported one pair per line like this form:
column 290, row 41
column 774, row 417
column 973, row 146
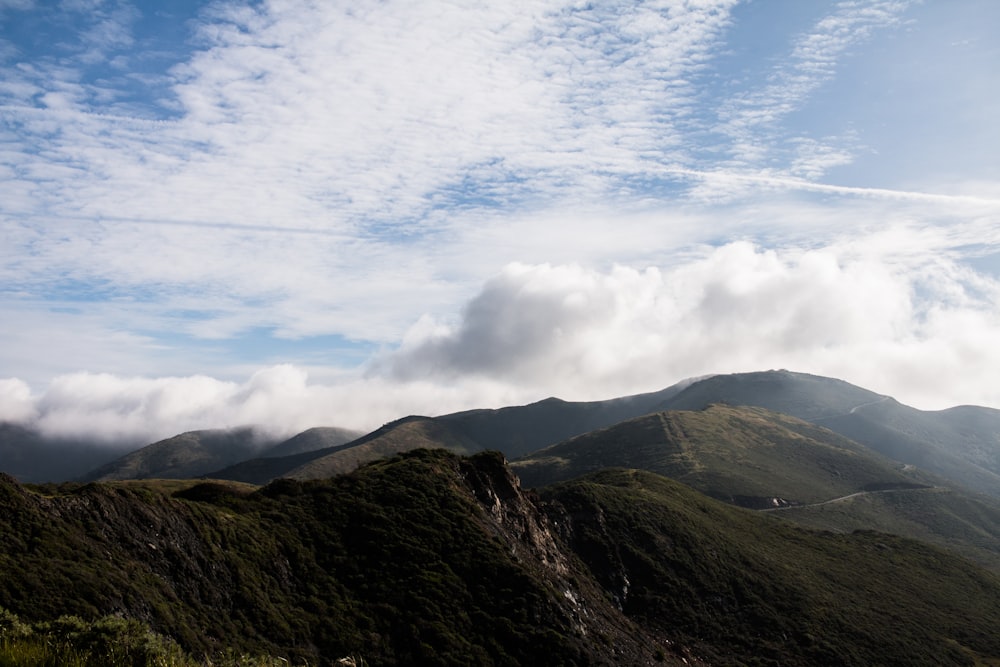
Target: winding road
column 847, row 497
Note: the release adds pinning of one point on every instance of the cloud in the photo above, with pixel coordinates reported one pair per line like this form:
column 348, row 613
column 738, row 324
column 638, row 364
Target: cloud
column 383, row 115
column 845, row 311
column 895, row 312
column 16, row 4
column 15, row 401
column 280, row 400
column 752, row 119
column 313, row 170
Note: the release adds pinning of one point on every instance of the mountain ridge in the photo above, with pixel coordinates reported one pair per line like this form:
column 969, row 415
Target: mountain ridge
column 618, row 567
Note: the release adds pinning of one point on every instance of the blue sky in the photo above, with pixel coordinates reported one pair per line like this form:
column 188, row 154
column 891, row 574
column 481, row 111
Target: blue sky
column 298, row 213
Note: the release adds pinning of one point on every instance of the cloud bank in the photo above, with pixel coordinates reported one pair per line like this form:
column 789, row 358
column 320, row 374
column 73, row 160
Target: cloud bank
column 916, row 326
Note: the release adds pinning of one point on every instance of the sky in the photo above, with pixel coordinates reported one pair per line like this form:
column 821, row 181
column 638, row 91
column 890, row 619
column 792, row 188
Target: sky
column 293, row 213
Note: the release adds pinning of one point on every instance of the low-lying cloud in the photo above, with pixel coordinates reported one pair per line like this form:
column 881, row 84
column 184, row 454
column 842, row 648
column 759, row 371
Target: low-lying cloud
column 279, row 400
column 919, row 326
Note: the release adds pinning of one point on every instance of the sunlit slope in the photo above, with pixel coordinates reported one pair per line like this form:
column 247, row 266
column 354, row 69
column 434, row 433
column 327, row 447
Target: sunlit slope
column 400, row 436
column 962, row 443
column 311, row 440
column 746, row 456
column 967, row 524
column 395, row 437
column 791, row 468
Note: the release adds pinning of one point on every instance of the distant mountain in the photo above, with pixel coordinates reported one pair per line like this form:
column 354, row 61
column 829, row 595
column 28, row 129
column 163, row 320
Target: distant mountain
column 396, row 437
column 311, row 440
column 515, row 431
column 187, row 455
column 30, row 456
column 962, row 444
column 742, row 455
column 429, row 558
column 523, row 429
column 765, row 460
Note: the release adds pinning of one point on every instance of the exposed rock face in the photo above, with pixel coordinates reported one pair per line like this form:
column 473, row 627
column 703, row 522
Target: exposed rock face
column 540, row 537
column 212, row 566
column 430, row 558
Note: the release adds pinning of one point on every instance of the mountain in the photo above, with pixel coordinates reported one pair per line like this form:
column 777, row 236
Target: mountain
column 311, row 440
column 395, row 437
column 742, row 455
column 768, row 592
column 962, row 444
column 515, row 431
column 520, row 430
column 765, row 460
column 431, row 558
column 31, row 456
column 190, row 454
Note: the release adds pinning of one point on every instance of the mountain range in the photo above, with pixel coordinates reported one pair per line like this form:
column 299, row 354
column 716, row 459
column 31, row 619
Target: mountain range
column 754, row 519
column 432, row 558
column 961, row 444
column 787, row 441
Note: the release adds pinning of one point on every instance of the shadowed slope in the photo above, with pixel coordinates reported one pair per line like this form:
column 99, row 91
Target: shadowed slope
column 428, row 558
column 740, row 588
column 183, row 456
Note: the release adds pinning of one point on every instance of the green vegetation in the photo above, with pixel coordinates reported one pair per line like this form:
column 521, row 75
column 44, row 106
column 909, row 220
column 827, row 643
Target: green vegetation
column 756, row 458
column 430, row 558
column 742, row 589
column 965, row 524
column 401, row 562
column 747, row 456
column 110, row 641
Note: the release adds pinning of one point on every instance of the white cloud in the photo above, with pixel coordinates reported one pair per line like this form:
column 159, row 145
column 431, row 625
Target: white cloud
column 281, row 400
column 351, row 116
column 317, row 169
column 16, row 4
column 753, row 119
column 833, row 311
column 16, row 404
column 888, row 312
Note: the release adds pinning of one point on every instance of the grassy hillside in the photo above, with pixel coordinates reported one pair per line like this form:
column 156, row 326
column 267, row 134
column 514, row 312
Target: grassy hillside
column 965, row 524
column 395, row 437
column 400, row 436
column 743, row 589
column 962, row 444
column 407, row 561
column 760, row 459
column 520, row 430
column 747, row 456
column 311, row 440
column 429, row 558
column 183, row 456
